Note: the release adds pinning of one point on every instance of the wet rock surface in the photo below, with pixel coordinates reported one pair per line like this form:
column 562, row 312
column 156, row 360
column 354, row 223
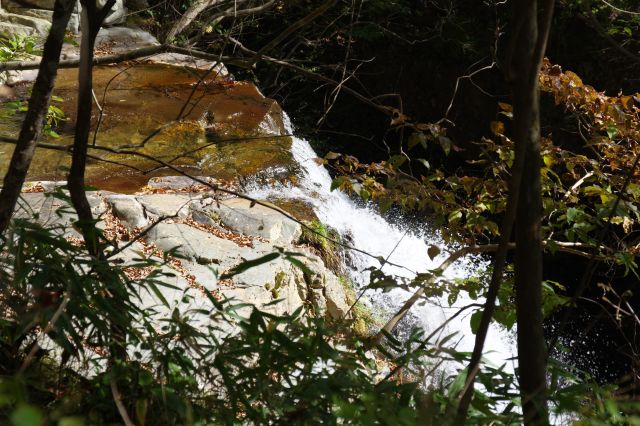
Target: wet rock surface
column 139, row 122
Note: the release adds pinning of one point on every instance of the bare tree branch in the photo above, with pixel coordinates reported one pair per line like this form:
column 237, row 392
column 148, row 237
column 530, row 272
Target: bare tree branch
column 293, row 28
column 191, row 14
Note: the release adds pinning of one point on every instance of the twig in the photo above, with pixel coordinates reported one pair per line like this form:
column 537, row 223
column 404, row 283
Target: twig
column 117, row 398
column 382, row 108
column 617, row 9
column 577, row 184
column 571, row 248
column 466, row 76
column 433, row 333
column 385, row 261
column 293, row 28
column 144, row 232
column 102, row 60
column 591, row 266
column 47, row 329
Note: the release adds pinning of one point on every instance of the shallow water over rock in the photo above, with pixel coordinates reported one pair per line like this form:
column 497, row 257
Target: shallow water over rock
column 246, row 136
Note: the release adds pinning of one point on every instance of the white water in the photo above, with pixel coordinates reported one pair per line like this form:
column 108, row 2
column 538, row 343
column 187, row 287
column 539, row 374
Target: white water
column 373, row 234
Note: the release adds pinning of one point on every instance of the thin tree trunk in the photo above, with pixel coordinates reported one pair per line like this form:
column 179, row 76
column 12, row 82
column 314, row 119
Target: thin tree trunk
column 92, row 18
column 524, row 206
column 36, row 114
column 532, row 353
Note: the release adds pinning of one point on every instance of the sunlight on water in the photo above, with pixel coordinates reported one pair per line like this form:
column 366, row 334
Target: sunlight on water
column 370, row 232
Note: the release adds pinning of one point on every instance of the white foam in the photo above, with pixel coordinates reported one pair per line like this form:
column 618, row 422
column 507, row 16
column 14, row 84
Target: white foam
column 370, row 232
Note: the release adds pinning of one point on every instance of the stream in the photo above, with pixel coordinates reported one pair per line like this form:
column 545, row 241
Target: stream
column 399, row 243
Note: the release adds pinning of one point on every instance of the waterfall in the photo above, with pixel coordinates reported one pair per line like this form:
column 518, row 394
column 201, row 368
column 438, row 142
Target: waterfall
column 370, row 232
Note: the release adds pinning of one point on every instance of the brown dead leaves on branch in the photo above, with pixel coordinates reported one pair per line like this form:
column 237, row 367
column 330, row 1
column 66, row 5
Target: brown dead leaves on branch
column 610, row 124
column 580, row 188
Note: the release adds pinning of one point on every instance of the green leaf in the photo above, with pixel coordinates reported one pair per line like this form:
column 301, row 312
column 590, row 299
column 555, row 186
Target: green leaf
column 250, row 264
column 433, row 251
column 158, row 294
column 612, row 131
column 298, row 264
column 424, row 162
column 26, row 415
column 365, row 194
column 71, row 421
column 457, row 385
column 474, row 322
column 445, row 143
column 339, row 182
column 572, row 214
column 396, row 161
column 455, row 216
column 417, row 138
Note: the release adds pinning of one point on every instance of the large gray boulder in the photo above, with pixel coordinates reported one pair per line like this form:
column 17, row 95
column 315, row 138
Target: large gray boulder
column 117, row 15
column 11, row 24
column 207, row 257
column 123, row 39
column 204, row 257
column 54, row 213
column 128, row 210
column 47, row 15
column 12, row 5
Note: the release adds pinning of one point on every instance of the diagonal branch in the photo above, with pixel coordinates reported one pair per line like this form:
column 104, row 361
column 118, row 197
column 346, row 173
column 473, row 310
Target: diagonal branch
column 293, row 28
column 560, row 246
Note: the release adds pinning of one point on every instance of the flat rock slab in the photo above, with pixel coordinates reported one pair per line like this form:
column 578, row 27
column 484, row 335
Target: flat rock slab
column 258, row 221
column 180, row 183
column 199, row 246
column 47, row 15
column 167, row 205
column 204, row 256
column 52, row 210
column 182, row 60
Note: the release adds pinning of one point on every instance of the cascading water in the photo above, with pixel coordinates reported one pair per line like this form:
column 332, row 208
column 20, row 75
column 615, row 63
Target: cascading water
column 370, row 232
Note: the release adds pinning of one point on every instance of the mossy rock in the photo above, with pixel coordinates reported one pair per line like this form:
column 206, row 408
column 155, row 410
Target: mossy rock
column 363, row 318
column 321, row 237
